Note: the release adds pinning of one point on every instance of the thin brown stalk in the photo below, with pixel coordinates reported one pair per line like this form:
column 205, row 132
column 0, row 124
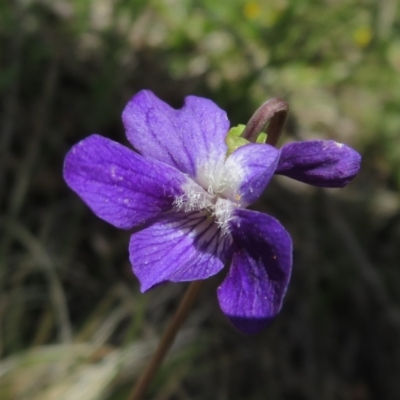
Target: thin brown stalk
column 167, row 340
column 271, row 116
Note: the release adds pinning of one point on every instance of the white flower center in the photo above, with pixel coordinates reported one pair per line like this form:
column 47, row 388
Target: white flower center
column 195, row 198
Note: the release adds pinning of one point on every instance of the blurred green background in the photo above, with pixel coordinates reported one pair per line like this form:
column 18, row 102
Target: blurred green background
column 73, row 322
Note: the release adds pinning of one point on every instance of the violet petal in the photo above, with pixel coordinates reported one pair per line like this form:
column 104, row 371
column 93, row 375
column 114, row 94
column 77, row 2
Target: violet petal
column 248, row 171
column 187, row 139
column 323, row 163
column 178, row 247
column 119, row 185
column 253, row 290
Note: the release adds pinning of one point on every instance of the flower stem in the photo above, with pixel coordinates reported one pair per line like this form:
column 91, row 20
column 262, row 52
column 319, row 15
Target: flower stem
column 167, row 340
column 272, row 113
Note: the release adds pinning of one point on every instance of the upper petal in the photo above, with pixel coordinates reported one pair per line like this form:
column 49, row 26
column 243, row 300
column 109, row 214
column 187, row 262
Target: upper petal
column 252, row 293
column 178, row 247
column 322, row 163
column 119, row 185
column 247, row 172
column 189, row 139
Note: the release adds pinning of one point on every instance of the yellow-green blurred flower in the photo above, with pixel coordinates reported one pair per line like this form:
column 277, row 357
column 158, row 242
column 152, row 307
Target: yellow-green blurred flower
column 363, row 36
column 252, row 10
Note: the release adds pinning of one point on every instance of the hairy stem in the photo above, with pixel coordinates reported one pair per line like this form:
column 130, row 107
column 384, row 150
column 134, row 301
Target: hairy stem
column 271, row 116
column 167, row 340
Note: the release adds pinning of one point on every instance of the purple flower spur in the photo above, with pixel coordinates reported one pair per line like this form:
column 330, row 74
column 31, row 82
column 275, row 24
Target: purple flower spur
column 187, row 195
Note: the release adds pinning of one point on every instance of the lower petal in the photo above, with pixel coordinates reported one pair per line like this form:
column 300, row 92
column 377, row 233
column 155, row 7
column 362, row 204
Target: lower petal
column 252, row 293
column 178, row 247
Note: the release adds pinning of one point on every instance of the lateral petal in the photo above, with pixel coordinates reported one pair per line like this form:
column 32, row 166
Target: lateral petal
column 253, row 290
column 191, row 139
column 247, row 172
column 178, row 247
column 323, row 163
column 119, row 185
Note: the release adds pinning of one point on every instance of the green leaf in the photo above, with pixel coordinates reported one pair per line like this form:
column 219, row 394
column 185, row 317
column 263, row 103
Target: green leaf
column 234, row 140
column 261, row 138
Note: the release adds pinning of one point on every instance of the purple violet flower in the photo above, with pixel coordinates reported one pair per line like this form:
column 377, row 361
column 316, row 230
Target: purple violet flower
column 187, row 200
